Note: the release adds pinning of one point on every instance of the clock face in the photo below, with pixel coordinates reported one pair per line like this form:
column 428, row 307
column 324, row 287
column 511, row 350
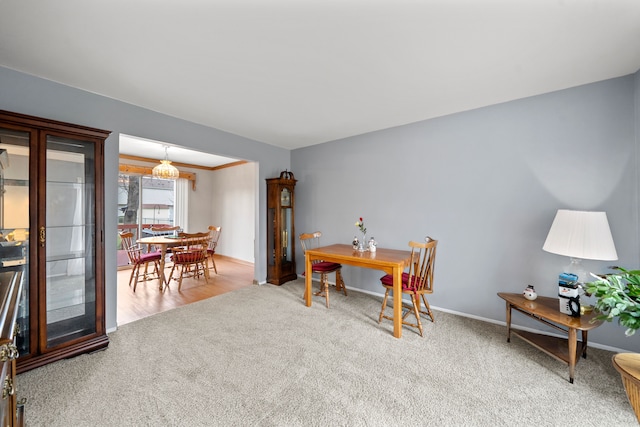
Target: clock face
column 285, row 197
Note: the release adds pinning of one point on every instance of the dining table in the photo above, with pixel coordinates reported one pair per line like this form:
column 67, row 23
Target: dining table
column 163, row 242
column 390, row 261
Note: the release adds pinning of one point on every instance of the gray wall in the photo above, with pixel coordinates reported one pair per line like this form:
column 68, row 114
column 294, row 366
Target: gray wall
column 30, row 95
column 486, row 183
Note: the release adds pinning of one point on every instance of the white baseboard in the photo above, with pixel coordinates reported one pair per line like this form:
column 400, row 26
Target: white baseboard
column 484, row 319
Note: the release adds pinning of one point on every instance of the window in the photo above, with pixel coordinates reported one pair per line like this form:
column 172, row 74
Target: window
column 144, row 201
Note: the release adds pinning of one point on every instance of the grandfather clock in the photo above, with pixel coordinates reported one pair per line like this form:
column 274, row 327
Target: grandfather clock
column 281, row 254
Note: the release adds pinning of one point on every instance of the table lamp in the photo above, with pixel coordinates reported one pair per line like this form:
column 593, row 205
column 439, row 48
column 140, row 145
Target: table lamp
column 580, row 235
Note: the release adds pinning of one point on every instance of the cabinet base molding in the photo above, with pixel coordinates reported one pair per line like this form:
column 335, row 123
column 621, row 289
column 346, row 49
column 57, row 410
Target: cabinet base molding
column 90, row 346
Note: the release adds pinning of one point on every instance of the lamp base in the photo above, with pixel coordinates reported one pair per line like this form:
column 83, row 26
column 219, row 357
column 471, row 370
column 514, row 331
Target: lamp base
column 575, row 267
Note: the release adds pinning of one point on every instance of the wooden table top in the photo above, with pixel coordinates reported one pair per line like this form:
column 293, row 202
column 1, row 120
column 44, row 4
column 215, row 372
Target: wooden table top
column 549, row 308
column 159, row 240
column 346, row 254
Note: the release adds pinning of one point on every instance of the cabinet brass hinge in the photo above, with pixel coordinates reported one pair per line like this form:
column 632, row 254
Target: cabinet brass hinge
column 16, row 329
column 8, row 389
column 8, row 351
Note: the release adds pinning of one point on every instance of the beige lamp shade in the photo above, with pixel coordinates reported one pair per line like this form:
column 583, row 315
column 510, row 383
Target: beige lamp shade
column 581, row 234
column 165, row 169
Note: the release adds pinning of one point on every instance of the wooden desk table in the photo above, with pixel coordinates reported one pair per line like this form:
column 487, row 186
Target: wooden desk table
column 391, row 261
column 547, row 311
column 163, row 242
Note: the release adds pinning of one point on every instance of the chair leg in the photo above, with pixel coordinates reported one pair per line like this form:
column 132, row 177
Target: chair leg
column 133, row 274
column 182, row 274
column 428, row 307
column 416, row 311
column 325, row 287
column 137, row 278
column 320, row 292
column 205, row 270
column 384, row 305
column 173, row 267
column 156, row 267
column 213, row 261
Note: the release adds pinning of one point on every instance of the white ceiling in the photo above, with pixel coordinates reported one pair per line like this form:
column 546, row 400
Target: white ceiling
column 151, row 149
column 294, row 73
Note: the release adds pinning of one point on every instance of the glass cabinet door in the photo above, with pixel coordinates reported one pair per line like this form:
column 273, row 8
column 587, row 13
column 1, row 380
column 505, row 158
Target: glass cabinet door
column 69, row 235
column 15, row 218
column 52, row 230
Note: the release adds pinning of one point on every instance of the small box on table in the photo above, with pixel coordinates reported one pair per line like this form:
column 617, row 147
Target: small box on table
column 569, row 294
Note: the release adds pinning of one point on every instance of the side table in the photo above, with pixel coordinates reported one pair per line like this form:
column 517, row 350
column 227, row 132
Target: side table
column 547, row 311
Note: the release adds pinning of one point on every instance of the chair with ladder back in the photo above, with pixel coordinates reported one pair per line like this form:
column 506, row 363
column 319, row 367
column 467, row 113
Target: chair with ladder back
column 190, row 257
column 214, row 235
column 138, row 258
column 417, row 282
column 324, row 268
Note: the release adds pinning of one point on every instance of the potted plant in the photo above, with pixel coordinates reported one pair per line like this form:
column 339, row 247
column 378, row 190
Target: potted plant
column 618, row 297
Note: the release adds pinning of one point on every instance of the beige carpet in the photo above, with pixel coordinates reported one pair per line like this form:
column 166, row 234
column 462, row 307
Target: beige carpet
column 259, row 357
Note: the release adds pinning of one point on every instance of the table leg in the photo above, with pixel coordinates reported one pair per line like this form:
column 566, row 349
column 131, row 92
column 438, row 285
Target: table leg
column 584, row 344
column 397, row 302
column 573, row 338
column 161, row 279
column 508, row 322
column 307, row 280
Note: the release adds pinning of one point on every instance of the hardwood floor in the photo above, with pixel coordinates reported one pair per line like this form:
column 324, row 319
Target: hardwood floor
column 147, row 300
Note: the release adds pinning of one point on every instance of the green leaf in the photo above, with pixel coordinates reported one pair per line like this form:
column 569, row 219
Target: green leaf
column 618, row 296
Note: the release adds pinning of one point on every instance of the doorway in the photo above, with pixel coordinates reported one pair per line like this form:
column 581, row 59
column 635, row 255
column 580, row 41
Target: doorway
column 217, row 187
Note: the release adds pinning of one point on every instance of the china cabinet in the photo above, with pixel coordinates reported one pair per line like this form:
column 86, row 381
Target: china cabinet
column 52, row 232
column 11, row 285
column 281, row 264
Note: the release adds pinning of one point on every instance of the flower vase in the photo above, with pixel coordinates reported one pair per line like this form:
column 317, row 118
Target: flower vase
column 362, row 244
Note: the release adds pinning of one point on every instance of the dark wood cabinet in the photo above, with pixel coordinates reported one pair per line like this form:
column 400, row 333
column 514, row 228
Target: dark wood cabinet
column 11, row 285
column 281, row 250
column 52, row 232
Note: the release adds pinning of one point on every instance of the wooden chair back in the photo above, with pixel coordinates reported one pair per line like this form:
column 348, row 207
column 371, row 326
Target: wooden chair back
column 310, row 241
column 423, row 255
column 214, row 235
column 194, row 241
column 134, row 251
column 191, row 256
column 166, row 230
column 127, row 239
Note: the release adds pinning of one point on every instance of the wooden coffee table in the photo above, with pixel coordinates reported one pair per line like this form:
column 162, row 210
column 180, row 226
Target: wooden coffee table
column 547, row 311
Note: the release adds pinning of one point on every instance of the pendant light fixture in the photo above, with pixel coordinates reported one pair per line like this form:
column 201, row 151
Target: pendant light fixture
column 165, row 170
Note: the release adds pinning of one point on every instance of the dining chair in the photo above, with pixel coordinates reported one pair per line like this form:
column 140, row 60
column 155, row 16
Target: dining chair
column 138, row 258
column 214, row 235
column 417, row 282
column 166, row 230
column 324, row 268
column 191, row 257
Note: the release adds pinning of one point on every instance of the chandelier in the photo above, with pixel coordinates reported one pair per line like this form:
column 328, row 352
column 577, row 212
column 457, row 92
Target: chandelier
column 165, row 170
